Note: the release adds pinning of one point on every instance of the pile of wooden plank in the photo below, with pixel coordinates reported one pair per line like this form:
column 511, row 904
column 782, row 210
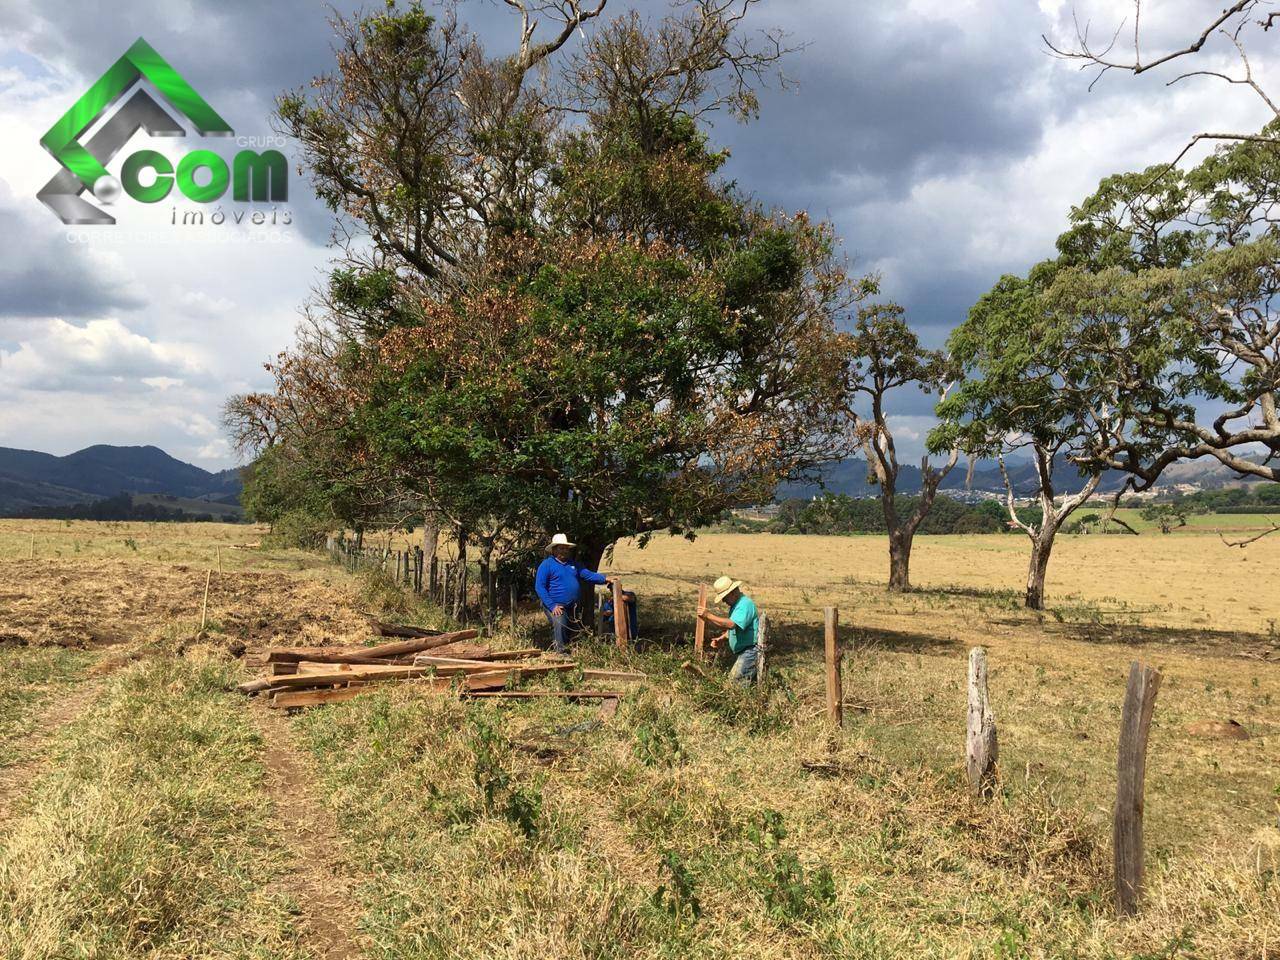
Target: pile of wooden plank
column 309, row 676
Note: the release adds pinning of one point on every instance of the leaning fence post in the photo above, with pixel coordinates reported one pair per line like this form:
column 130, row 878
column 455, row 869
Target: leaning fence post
column 700, row 626
column 1131, row 770
column 621, row 620
column 762, row 649
column 981, row 746
column 204, row 607
column 835, row 693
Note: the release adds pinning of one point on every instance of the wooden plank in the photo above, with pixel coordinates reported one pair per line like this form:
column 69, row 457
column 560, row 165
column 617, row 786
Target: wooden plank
column 401, row 630
column 491, row 680
column 1131, row 771
column 323, row 655
column 621, row 622
column 835, row 693
column 622, row 676
column 255, row 686
column 534, row 694
column 700, row 626
column 420, row 643
column 524, row 653
column 981, row 746
column 353, row 674
column 310, row 698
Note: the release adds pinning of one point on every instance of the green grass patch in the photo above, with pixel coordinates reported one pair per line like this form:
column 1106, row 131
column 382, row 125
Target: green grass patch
column 28, row 677
column 148, row 836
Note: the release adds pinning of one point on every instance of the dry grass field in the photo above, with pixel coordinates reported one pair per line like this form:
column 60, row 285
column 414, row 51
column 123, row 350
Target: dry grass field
column 146, row 811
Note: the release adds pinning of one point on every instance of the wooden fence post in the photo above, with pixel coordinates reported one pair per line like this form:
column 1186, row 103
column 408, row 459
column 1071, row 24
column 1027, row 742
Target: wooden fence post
column 434, row 582
column 448, row 587
column 513, row 591
column 491, row 593
column 762, row 649
column 981, row 746
column 597, row 613
column 621, row 621
column 204, row 608
column 699, row 626
column 835, row 694
column 1131, row 770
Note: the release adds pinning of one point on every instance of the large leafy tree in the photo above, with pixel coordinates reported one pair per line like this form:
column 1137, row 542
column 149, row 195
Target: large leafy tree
column 1021, row 393
column 1167, row 281
column 556, row 313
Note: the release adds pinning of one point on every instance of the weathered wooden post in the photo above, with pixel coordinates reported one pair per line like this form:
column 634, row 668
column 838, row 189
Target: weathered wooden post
column 417, row 569
column 513, row 590
column 448, row 587
column 491, row 591
column 486, row 589
column 204, row 608
column 835, row 693
column 434, row 582
column 762, row 649
column 597, row 613
column 1131, row 771
column 699, row 626
column 621, row 622
column 981, row 746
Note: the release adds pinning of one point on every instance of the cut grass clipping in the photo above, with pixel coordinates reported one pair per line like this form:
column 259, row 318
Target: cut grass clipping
column 148, row 835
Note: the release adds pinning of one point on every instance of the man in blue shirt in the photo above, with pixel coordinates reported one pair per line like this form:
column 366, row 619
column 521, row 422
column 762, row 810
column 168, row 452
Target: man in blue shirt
column 559, row 584
column 739, row 628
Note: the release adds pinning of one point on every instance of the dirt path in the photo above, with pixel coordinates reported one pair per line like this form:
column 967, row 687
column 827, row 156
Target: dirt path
column 318, row 882
column 64, row 708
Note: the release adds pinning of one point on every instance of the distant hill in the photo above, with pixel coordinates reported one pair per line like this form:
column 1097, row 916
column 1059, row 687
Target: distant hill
column 30, row 480
column 850, row 477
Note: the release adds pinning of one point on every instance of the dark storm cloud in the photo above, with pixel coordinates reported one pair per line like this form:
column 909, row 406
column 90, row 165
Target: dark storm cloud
column 44, row 276
column 884, row 98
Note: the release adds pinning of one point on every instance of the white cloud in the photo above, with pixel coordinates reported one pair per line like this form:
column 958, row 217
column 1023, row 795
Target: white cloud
column 57, row 356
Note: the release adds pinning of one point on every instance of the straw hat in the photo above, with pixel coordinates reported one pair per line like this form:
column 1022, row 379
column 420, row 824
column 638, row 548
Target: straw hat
column 724, row 586
column 560, row 540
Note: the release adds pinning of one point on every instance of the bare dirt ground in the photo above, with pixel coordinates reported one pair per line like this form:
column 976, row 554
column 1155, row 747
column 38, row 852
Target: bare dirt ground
column 318, row 883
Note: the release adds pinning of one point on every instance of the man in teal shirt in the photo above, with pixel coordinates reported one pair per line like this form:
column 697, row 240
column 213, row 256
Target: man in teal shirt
column 739, row 628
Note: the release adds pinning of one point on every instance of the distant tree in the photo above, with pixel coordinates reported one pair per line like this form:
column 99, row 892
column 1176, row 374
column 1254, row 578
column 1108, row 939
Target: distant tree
column 887, row 355
column 1167, row 516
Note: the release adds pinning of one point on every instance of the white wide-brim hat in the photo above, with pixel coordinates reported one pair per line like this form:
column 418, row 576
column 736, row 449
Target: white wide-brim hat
column 724, row 586
column 560, row 540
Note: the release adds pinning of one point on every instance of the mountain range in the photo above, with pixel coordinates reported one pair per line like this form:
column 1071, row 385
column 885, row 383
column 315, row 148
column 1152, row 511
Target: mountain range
column 850, row 477
column 30, row 479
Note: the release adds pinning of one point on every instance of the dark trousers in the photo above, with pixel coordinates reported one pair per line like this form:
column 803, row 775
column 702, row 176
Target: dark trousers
column 565, row 627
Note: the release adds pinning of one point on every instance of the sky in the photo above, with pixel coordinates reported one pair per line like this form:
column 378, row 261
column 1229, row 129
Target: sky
column 941, row 139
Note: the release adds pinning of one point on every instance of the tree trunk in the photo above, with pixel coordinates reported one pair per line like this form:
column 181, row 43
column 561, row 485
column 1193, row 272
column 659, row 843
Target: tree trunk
column 1041, row 547
column 900, row 560
column 430, row 539
column 589, row 553
column 460, row 601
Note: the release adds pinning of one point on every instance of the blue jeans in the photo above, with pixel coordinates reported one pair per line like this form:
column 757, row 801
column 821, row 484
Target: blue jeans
column 565, row 627
column 743, row 671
